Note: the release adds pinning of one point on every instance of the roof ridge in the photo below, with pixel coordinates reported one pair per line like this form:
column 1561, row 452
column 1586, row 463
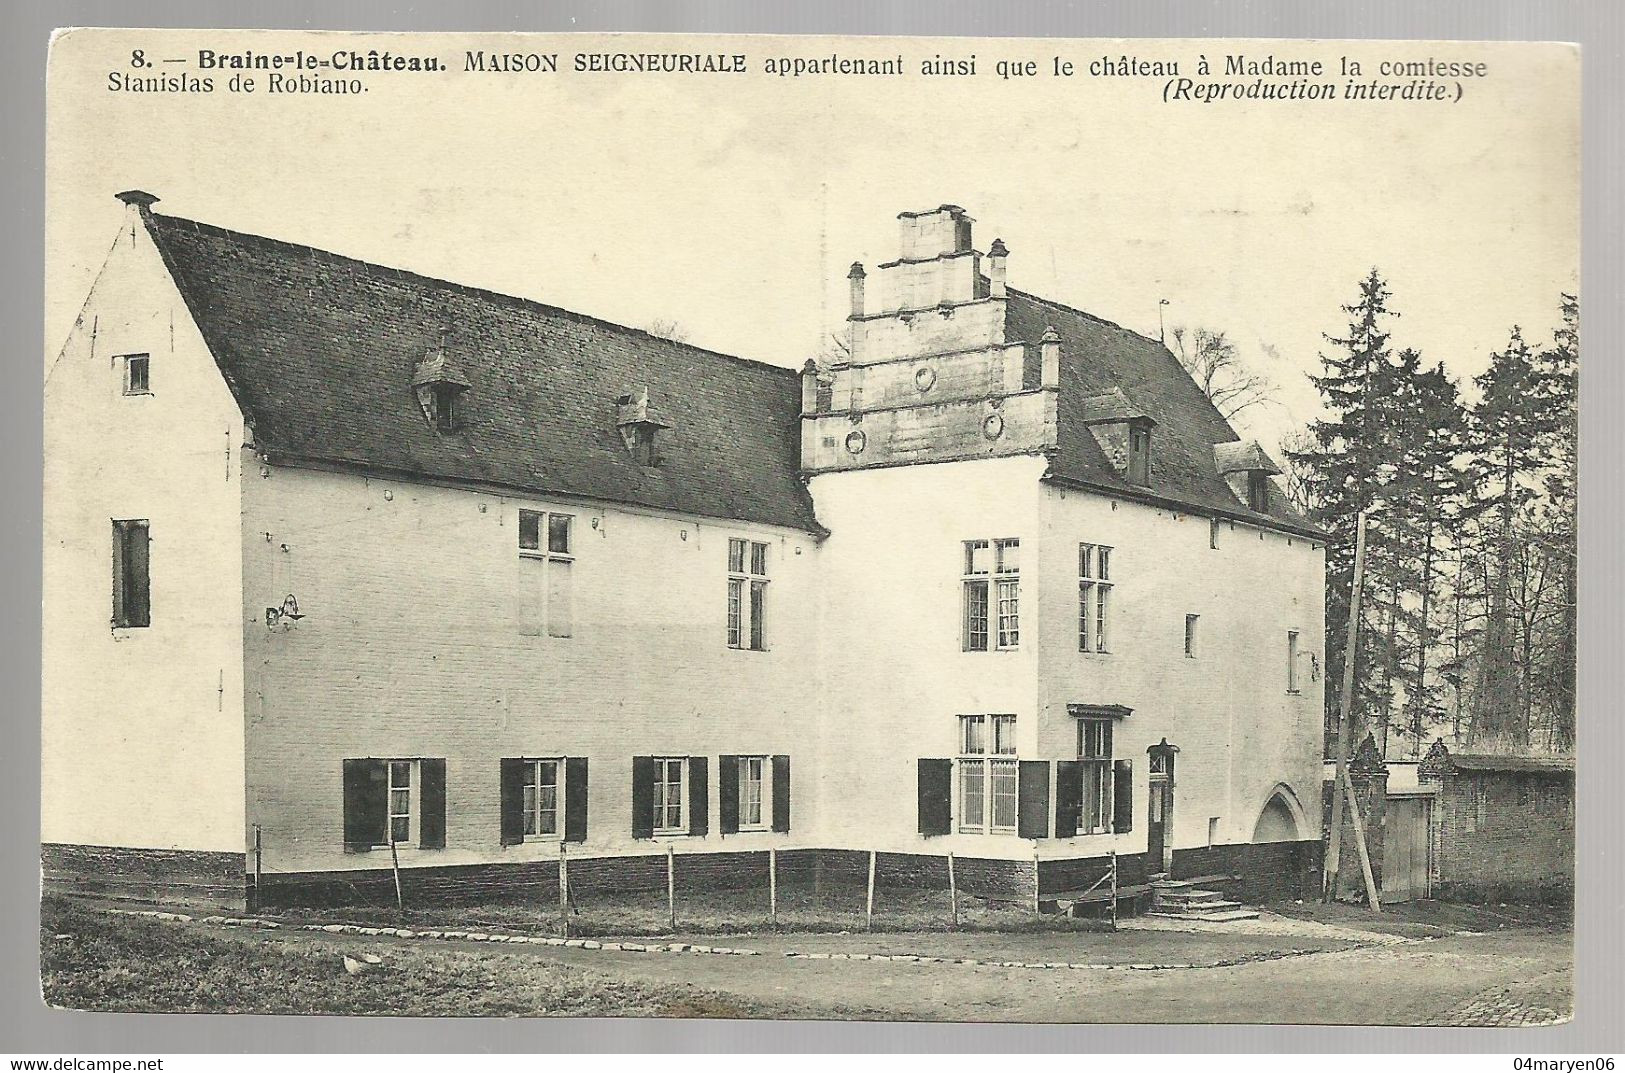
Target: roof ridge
column 465, row 288
column 1084, row 313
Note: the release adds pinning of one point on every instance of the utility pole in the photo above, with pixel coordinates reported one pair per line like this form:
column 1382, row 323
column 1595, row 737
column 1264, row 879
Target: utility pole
column 1345, row 704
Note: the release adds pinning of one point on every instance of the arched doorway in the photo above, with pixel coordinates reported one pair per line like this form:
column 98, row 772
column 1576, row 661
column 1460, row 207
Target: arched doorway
column 1278, row 822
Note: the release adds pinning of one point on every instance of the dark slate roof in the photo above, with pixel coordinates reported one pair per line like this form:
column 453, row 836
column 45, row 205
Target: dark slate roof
column 1099, row 358
column 321, row 350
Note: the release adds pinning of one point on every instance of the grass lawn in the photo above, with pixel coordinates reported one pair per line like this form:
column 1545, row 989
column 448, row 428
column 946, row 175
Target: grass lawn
column 730, row 912
column 92, row 960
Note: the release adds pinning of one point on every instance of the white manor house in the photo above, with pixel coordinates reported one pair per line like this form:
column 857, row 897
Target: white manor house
column 347, row 567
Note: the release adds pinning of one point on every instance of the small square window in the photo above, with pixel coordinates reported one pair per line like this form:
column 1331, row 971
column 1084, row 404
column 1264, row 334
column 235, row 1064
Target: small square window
column 137, row 374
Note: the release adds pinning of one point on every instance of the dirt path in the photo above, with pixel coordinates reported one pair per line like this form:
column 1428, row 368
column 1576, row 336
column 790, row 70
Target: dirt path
column 1458, row 979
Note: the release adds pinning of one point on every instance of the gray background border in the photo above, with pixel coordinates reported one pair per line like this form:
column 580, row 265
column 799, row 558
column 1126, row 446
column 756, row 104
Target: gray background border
column 26, row 1026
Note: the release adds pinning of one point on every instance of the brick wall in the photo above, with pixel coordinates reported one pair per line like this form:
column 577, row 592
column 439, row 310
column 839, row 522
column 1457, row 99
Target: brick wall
column 188, row 877
column 1504, row 835
column 1266, row 871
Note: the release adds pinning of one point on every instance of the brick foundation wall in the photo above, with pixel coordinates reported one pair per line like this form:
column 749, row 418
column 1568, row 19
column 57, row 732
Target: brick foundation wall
column 186, row 877
column 1080, row 873
column 1267, row 871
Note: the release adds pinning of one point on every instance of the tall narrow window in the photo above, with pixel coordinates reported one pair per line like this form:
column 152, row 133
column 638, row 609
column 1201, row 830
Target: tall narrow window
column 989, row 774
column 1190, row 635
column 400, row 802
column 542, row 785
column 445, row 400
column 546, row 559
column 137, row 374
column 1095, row 754
column 1292, row 661
column 132, row 586
column 1258, row 490
column 992, row 594
column 747, row 594
column 754, row 810
column 668, row 795
column 1094, row 595
column 1139, row 455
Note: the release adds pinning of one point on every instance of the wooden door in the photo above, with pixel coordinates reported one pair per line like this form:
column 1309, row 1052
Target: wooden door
column 1405, row 849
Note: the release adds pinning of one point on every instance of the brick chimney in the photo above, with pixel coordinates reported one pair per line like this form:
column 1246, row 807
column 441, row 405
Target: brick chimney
column 996, row 254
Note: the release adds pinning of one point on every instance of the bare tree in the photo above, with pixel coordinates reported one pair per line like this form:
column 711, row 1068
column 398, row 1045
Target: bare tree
column 1211, row 360
column 1298, row 476
column 666, row 328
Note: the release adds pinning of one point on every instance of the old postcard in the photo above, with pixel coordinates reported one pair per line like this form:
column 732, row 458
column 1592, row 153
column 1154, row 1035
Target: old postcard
column 792, row 527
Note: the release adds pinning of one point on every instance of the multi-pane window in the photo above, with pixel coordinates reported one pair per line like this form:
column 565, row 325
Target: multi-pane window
column 668, row 794
column 1292, row 661
column 546, row 558
column 400, row 801
column 754, row 810
column 992, row 601
column 137, row 374
column 1095, row 757
column 988, row 773
column 1094, row 595
column 1190, row 635
column 132, row 585
column 543, row 780
column 747, row 594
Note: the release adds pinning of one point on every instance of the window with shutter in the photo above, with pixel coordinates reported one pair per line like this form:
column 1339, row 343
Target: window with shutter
column 432, row 825
column 513, row 801
column 575, row 799
column 935, row 796
column 643, row 796
column 1034, row 797
column 1068, row 797
column 781, row 793
column 1123, row 796
column 699, row 819
column 366, row 804
column 728, row 794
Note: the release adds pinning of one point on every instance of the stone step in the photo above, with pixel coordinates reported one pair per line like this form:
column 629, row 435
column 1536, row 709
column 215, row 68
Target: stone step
column 1185, row 897
column 1211, row 916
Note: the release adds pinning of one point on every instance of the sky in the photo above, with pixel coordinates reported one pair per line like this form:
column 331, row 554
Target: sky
column 733, row 205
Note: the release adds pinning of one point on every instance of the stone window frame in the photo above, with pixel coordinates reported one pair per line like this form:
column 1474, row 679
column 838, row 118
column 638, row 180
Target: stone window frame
column 530, row 791
column 661, row 798
column 556, row 563
column 1094, row 596
column 984, row 760
column 1095, row 753
column 747, row 594
column 987, row 593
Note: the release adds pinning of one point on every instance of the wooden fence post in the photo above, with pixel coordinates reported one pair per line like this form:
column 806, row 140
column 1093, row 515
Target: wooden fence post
column 1114, row 890
column 953, row 890
column 671, row 884
column 869, row 909
column 773, row 887
column 259, row 859
column 395, row 867
column 1037, row 902
column 564, row 891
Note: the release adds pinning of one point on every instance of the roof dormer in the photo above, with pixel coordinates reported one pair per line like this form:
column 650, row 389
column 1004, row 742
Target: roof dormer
column 1123, row 431
column 1247, row 469
column 640, row 426
column 439, row 385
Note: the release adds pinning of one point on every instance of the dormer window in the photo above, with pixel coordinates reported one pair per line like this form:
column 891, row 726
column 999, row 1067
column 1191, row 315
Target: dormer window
column 439, row 384
column 640, row 426
column 443, row 398
column 1247, row 469
column 1139, row 454
column 1258, row 490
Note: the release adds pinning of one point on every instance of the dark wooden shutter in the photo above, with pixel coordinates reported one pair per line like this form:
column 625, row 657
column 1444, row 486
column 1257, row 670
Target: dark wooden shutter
column 728, row 794
column 138, row 578
column 575, row 799
column 781, row 793
column 432, row 793
column 1123, row 796
column 513, row 801
column 699, row 804
column 1068, row 798
column 643, row 797
column 366, row 800
column 936, row 793
column 1032, row 799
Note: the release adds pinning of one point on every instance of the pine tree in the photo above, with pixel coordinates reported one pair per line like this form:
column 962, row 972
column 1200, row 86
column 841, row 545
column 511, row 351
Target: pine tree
column 1349, row 460
column 1512, row 426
